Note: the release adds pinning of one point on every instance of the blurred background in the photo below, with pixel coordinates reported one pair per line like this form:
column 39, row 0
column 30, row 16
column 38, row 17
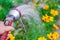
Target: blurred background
column 6, row 5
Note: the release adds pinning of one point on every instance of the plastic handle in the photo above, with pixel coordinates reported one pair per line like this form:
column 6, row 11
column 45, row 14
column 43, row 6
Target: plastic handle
column 4, row 36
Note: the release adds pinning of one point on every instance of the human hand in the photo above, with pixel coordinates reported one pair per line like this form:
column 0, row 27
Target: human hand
column 4, row 28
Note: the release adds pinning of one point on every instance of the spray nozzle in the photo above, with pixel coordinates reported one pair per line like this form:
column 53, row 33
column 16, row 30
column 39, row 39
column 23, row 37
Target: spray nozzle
column 8, row 21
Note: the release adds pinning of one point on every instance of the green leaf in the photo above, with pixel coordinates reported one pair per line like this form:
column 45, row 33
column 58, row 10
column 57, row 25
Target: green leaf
column 19, row 1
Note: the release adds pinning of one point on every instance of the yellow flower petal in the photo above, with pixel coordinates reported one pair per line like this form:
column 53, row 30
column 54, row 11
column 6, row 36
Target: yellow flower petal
column 51, row 19
column 55, row 26
column 50, row 36
column 35, row 5
column 56, row 12
column 11, row 36
column 55, row 35
column 41, row 38
column 52, row 11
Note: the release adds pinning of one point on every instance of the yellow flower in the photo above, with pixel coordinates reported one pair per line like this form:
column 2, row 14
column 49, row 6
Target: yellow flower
column 11, row 37
column 54, row 12
column 35, row 5
column 41, row 38
column 50, row 36
column 46, row 7
column 55, row 35
column 47, row 18
column 55, row 26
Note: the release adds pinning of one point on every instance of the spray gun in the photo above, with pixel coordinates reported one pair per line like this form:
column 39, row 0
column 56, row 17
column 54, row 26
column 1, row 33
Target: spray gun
column 14, row 14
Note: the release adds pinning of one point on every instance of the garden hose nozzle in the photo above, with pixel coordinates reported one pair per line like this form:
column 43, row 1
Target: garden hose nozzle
column 14, row 14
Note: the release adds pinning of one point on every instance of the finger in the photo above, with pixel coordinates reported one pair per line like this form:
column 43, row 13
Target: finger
column 2, row 30
column 9, row 29
column 1, row 23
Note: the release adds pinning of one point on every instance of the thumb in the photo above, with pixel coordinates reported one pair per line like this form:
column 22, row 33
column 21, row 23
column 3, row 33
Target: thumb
column 9, row 29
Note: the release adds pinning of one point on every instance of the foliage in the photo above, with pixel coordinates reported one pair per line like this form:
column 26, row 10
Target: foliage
column 45, row 13
column 5, row 7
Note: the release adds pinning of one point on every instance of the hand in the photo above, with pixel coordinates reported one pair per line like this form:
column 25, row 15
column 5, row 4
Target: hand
column 5, row 28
